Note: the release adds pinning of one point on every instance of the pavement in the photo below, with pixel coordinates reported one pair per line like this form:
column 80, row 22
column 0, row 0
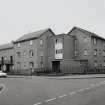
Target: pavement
column 85, row 76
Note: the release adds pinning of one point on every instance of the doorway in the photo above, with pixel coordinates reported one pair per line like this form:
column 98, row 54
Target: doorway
column 56, row 66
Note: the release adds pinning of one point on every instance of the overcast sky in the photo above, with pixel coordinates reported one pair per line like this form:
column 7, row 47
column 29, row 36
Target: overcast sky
column 18, row 17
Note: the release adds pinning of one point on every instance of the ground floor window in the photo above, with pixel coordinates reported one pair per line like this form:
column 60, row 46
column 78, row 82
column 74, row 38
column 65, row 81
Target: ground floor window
column 18, row 65
column 95, row 64
column 31, row 66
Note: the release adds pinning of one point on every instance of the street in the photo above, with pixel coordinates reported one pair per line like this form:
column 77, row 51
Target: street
column 52, row 91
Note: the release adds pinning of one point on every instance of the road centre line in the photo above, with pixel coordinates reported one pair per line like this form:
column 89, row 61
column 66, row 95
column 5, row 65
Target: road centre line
column 88, row 88
column 64, row 95
column 73, row 92
column 50, row 99
column 39, row 103
column 81, row 90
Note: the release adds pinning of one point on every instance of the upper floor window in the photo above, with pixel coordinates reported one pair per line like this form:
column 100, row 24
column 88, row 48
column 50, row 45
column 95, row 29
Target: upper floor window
column 85, row 39
column 41, row 53
column 59, row 51
column 95, row 52
column 5, row 58
column 41, row 42
column 85, row 52
column 31, row 53
column 103, row 43
column 24, row 53
column 104, row 63
column 19, row 54
column 94, row 41
column 31, row 42
column 56, row 41
column 18, row 44
column 103, row 52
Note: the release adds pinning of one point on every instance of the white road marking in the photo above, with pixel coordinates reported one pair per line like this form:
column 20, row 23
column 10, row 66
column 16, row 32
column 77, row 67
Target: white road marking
column 72, row 93
column 50, row 99
column 2, row 88
column 88, row 88
column 39, row 103
column 64, row 95
column 81, row 90
column 92, row 85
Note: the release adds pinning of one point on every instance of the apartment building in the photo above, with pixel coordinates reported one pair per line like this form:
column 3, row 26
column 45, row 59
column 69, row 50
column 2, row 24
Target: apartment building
column 31, row 54
column 61, row 54
column 90, row 47
column 7, row 57
column 78, row 51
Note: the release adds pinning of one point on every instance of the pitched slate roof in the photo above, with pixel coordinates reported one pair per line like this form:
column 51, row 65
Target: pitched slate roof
column 87, row 32
column 6, row 46
column 33, row 35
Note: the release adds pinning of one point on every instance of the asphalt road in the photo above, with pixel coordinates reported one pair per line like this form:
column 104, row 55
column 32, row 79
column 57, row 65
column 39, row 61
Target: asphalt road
column 47, row 91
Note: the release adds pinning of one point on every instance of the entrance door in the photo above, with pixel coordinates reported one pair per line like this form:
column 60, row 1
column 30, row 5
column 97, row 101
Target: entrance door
column 56, row 66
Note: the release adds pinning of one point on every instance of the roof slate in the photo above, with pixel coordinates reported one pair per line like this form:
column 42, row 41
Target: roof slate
column 87, row 32
column 32, row 35
column 6, row 46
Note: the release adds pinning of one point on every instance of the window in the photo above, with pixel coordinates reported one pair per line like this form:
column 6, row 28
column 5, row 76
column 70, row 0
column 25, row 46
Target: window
column 59, row 51
column 31, row 42
column 18, row 54
column 95, row 52
column 24, row 64
column 104, row 53
column 94, row 41
column 31, row 53
column 18, row 65
column 24, row 53
column 56, row 41
column 95, row 63
column 41, row 53
column 104, row 63
column 103, row 43
column 31, row 65
column 75, row 53
column 41, row 64
column 41, row 42
column 18, row 44
column 11, row 59
column 5, row 58
column 85, row 39
column 85, row 52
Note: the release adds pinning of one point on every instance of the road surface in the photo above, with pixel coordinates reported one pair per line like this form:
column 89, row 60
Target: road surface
column 52, row 91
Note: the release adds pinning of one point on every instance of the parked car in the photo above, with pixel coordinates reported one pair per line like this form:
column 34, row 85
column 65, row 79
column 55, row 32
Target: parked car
column 2, row 74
